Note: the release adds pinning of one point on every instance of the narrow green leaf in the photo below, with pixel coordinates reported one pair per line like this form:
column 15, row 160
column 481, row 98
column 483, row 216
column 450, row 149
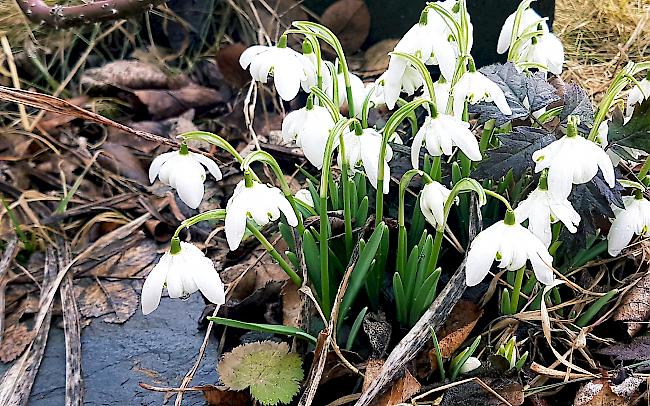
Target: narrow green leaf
column 400, row 300
column 287, row 235
column 356, row 326
column 265, row 328
column 362, row 212
column 426, row 290
column 312, row 259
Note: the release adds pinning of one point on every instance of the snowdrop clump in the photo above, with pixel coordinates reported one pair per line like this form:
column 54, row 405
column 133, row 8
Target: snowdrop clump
column 556, row 169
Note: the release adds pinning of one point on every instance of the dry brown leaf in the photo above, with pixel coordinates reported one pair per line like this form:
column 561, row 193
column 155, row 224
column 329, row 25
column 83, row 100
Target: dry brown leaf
column 405, row 388
column 600, row 392
column 350, row 22
column 635, row 307
column 457, row 328
column 170, row 103
column 14, row 341
column 128, row 74
column 120, row 159
column 217, row 396
column 372, row 371
column 115, row 299
column 376, row 57
column 50, row 121
column 228, row 62
column 291, row 305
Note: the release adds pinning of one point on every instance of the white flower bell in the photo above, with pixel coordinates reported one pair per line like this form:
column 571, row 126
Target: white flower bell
column 470, row 364
column 545, row 50
column 572, row 160
column 440, row 133
column 257, row 201
column 184, row 269
column 356, row 86
column 428, row 42
column 634, row 219
column 528, row 18
column 433, row 197
column 637, row 95
column 364, row 148
column 475, row 87
column 309, row 127
column 305, row 197
column 183, row 170
column 512, row 245
column 541, row 210
column 290, row 69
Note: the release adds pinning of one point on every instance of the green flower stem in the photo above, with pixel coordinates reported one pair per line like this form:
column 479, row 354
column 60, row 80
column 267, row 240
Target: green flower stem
column 329, row 104
column 419, row 65
column 621, row 80
column 213, row 139
column 500, row 198
column 391, row 125
column 516, row 291
column 218, row 214
column 175, row 247
column 328, row 36
column 297, row 280
column 324, row 220
column 515, row 28
column 401, row 239
column 265, row 157
column 347, row 210
column 486, row 135
column 449, row 19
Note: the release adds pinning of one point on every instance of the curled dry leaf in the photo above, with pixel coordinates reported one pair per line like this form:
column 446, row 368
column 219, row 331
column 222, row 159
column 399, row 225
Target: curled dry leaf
column 228, row 62
column 220, row 396
column 350, row 22
column 635, row 307
column 376, row 57
column 170, row 103
column 457, row 328
column 131, row 75
column 405, row 388
column 600, row 392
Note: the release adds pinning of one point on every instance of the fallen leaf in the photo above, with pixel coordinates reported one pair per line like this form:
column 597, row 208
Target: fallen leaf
column 373, row 367
column 456, row 329
column 14, row 341
column 129, row 74
column 220, row 396
column 291, row 306
column 170, row 103
column 228, row 62
column 638, row 349
column 600, row 392
column 116, row 300
column 405, row 388
column 53, row 120
column 376, row 57
column 120, row 159
column 350, row 22
column 634, row 309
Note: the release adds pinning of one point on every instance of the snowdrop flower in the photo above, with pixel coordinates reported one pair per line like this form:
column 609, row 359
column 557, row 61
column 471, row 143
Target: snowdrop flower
column 257, row 201
column 634, row 219
column 426, row 41
column 304, row 196
column 470, row 364
column 475, row 87
column 541, row 210
column 637, row 95
column 184, row 269
column 309, row 127
column 183, row 171
column 442, row 89
column 358, row 91
column 572, row 160
column 290, row 69
column 546, row 50
column 528, row 17
column 440, row 133
column 432, row 202
column 512, row 245
column 364, row 149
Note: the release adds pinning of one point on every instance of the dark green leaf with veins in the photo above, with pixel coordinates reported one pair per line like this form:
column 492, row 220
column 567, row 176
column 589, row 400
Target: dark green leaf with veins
column 634, row 134
column 577, row 103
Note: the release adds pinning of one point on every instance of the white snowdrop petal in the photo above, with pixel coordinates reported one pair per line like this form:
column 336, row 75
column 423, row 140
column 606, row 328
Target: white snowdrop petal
column 417, row 145
column 235, row 225
column 208, row 280
column 153, row 285
column 174, row 278
column 212, row 166
column 157, row 163
column 190, row 189
column 250, row 53
column 481, row 254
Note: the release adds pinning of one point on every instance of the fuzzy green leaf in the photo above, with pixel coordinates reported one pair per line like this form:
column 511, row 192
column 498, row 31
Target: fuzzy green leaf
column 268, row 369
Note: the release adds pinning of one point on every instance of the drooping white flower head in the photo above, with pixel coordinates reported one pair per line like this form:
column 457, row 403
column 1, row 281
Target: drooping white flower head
column 512, row 245
column 541, row 210
column 427, row 41
column 304, row 196
column 634, row 219
column 358, row 91
column 546, row 50
column 184, row 272
column 440, row 134
column 290, row 69
column 470, row 364
column 475, row 87
column 637, row 95
column 572, row 160
column 442, row 89
column 309, row 127
column 364, row 150
column 257, row 201
column 183, row 171
column 432, row 202
column 528, row 18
